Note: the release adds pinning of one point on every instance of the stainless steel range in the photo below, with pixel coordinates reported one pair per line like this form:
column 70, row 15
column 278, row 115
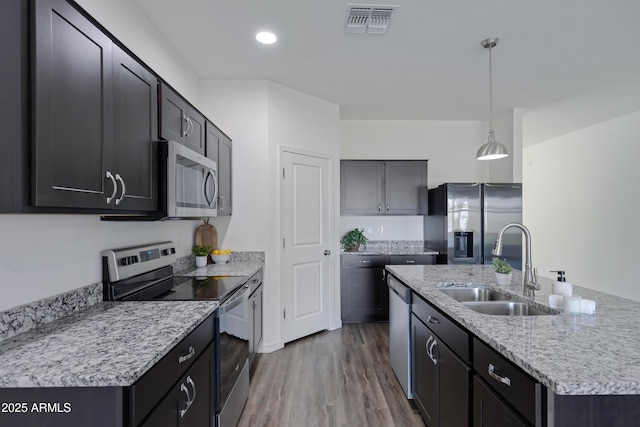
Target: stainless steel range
column 145, row 273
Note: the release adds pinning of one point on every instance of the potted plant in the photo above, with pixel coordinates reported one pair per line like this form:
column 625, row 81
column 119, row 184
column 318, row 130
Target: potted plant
column 503, row 271
column 201, row 253
column 352, row 240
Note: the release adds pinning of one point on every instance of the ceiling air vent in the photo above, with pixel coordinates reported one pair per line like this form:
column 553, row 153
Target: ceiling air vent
column 368, row 19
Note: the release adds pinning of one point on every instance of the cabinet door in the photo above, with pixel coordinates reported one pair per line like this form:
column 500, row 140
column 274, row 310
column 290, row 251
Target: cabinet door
column 173, row 116
column 224, row 176
column 73, row 117
column 190, row 401
column 256, row 320
column 364, row 295
column 361, row 187
column 195, row 134
column 424, row 372
column 454, row 407
column 219, row 150
column 406, row 187
column 135, row 133
column 489, row 410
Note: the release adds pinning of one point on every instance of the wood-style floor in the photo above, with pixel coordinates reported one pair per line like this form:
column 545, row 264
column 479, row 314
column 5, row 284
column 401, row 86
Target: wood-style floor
column 333, row 378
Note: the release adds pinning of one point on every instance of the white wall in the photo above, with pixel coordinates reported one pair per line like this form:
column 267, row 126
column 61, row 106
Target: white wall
column 262, row 118
column 450, row 147
column 581, row 204
column 44, row 255
column 127, row 23
column 508, row 131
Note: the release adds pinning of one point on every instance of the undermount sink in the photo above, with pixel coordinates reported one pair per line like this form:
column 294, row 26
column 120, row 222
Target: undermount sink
column 506, row 308
column 464, row 294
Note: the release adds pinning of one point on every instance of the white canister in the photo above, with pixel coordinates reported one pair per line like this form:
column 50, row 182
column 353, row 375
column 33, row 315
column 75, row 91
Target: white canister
column 573, row 304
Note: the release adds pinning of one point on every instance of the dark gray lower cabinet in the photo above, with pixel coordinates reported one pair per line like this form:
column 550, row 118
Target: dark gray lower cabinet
column 491, row 411
column 363, row 288
column 190, row 401
column 364, row 293
column 255, row 314
column 440, row 378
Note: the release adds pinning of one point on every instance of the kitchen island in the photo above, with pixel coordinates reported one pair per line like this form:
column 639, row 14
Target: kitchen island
column 580, row 359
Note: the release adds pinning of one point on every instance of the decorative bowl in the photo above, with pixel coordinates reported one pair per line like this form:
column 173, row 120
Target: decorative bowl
column 220, row 259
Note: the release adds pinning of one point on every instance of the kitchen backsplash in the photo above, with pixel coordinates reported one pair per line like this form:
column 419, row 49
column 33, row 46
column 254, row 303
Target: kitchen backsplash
column 373, row 245
column 20, row 319
column 189, row 261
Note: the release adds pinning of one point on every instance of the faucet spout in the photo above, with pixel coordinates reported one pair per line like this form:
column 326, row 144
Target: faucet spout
column 530, row 279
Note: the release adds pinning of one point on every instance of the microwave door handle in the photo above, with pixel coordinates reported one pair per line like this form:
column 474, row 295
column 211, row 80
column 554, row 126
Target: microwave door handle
column 204, row 189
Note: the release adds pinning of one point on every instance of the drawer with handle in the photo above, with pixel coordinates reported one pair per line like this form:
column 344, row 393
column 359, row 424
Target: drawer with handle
column 364, row 261
column 411, row 259
column 149, row 389
column 515, row 386
column 455, row 337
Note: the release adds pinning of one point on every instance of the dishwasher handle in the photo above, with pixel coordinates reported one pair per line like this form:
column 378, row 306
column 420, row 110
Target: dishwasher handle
column 403, row 292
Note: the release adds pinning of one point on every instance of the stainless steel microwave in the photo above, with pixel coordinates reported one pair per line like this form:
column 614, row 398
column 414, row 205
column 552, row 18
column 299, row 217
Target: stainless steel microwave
column 191, row 183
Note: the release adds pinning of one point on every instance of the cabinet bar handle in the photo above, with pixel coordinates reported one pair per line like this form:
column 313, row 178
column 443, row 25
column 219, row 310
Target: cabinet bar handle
column 185, row 120
column 124, row 189
column 365, row 261
column 187, row 356
column 492, row 374
column 189, row 398
column 433, row 320
column 379, row 207
column 431, row 356
column 410, row 261
column 115, row 187
column 388, row 208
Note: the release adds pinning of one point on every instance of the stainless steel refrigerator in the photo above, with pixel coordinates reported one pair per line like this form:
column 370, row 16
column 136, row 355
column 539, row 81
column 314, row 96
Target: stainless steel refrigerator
column 464, row 218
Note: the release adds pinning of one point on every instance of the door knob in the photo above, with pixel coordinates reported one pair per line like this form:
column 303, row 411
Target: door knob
column 326, row 252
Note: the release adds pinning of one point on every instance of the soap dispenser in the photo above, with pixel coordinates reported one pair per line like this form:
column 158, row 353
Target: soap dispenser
column 561, row 286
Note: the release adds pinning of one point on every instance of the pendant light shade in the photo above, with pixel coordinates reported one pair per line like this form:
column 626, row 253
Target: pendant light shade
column 492, row 149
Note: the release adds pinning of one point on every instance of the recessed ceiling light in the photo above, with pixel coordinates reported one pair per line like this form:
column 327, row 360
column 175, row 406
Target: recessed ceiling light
column 266, row 37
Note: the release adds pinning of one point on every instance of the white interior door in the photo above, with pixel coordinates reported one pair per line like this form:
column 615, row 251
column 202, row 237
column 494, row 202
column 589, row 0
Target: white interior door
column 306, row 245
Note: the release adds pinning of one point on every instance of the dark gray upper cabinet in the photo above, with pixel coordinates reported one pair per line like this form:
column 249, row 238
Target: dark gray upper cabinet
column 180, row 121
column 14, row 78
column 219, row 149
column 361, row 187
column 405, row 188
column 72, row 108
column 94, row 117
column 378, row 187
column 136, row 131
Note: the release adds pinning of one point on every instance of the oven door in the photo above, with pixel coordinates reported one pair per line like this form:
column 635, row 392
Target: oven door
column 192, row 183
column 233, row 357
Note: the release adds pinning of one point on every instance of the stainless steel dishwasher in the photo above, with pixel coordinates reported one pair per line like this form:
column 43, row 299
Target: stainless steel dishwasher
column 400, row 332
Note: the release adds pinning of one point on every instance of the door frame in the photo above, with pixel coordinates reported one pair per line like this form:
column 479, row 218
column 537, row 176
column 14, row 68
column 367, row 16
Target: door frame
column 334, row 259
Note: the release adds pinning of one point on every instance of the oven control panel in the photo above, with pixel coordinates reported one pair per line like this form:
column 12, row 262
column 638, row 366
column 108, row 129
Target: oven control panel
column 127, row 262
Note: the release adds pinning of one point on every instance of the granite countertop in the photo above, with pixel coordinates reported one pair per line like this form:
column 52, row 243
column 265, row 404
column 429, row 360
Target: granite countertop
column 228, row 269
column 393, row 251
column 570, row 354
column 107, row 344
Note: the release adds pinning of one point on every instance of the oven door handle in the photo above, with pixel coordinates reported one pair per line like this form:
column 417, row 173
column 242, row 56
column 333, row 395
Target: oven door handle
column 234, row 301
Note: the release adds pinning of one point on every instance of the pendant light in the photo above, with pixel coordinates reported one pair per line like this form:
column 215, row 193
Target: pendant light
column 492, row 149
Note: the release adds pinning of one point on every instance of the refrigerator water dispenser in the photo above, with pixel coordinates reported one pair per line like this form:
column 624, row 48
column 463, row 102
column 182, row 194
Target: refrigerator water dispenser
column 463, row 244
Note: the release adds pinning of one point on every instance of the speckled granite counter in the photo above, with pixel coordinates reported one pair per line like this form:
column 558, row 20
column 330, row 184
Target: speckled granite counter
column 107, row 344
column 392, row 251
column 570, row 354
column 228, row 269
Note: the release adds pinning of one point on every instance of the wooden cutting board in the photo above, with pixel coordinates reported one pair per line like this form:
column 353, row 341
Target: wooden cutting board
column 207, row 235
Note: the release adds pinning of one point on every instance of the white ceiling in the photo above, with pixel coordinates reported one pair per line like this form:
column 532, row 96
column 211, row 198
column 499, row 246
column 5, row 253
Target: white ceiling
column 554, row 56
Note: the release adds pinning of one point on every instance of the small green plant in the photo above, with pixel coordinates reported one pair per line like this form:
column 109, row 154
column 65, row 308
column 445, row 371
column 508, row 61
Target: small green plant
column 201, row 250
column 352, row 240
column 501, row 265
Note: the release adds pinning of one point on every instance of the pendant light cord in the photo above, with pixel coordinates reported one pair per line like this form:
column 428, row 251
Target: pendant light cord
column 490, row 93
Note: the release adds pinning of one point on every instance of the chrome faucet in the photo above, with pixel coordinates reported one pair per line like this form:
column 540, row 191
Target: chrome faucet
column 530, row 279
